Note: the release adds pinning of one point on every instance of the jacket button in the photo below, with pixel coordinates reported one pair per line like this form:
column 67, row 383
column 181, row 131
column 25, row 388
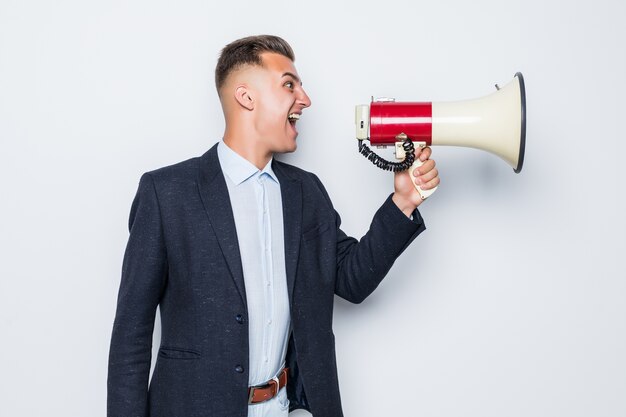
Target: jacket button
column 239, row 369
column 239, row 318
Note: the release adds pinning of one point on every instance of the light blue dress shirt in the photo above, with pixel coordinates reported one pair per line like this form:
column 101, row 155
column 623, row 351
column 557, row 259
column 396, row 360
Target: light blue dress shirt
column 257, row 208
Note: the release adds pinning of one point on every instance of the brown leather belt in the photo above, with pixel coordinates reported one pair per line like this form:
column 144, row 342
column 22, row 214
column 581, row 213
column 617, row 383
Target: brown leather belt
column 264, row 392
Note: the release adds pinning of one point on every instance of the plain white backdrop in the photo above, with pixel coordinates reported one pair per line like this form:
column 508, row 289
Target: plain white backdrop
column 512, row 303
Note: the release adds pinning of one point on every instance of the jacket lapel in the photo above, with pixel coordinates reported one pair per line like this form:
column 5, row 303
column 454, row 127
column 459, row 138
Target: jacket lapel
column 216, row 200
column 291, row 192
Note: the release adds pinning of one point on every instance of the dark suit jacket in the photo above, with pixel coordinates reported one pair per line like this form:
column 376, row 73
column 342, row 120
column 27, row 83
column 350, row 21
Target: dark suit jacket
column 183, row 256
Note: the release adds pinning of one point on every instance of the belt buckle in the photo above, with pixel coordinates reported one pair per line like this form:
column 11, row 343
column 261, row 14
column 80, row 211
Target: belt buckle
column 251, row 394
column 275, row 393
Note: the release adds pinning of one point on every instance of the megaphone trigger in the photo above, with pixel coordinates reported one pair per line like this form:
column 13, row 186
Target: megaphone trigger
column 423, row 193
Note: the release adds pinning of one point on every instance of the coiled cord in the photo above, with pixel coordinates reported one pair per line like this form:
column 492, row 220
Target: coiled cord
column 380, row 162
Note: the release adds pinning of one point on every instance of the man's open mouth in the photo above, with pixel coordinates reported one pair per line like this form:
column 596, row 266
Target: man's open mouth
column 293, row 118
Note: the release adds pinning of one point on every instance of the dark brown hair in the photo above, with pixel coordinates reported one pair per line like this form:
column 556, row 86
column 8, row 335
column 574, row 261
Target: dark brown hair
column 247, row 51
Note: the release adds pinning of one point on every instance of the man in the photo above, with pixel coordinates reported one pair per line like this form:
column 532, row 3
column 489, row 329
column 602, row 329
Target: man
column 244, row 254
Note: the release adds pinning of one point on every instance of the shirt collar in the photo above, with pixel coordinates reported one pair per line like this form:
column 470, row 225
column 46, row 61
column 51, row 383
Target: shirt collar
column 238, row 168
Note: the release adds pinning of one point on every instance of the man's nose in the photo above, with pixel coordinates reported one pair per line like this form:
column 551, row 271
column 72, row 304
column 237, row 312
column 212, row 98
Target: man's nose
column 304, row 99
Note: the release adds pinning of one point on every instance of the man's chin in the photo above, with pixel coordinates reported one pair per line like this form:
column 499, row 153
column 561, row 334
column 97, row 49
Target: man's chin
column 288, row 149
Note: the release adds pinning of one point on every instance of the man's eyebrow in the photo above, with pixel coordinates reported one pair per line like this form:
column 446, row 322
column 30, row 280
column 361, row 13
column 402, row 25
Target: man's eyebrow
column 292, row 75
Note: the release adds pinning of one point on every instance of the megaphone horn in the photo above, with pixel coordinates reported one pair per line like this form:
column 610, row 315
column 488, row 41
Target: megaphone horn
column 495, row 123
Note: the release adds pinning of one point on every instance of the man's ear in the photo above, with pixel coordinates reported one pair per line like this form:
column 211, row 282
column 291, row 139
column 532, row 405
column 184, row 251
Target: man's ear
column 243, row 95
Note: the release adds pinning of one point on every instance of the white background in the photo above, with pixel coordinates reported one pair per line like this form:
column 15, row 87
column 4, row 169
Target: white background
column 512, row 303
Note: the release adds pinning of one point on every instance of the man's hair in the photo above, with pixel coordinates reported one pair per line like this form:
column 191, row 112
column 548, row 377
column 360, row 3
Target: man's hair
column 247, row 51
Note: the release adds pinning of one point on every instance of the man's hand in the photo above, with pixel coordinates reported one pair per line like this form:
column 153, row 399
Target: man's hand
column 406, row 196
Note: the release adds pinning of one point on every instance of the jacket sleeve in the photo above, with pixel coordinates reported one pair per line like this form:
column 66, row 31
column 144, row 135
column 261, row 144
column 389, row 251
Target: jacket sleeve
column 362, row 265
column 144, row 273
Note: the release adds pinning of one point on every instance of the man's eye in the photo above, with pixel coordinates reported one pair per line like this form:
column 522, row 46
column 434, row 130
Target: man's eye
column 289, row 84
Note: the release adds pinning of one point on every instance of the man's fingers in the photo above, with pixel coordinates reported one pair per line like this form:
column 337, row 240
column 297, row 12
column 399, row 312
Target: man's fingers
column 427, row 166
column 427, row 185
column 428, row 176
column 425, row 154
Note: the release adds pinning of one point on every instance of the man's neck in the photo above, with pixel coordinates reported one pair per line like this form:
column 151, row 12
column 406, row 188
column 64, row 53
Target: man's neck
column 248, row 151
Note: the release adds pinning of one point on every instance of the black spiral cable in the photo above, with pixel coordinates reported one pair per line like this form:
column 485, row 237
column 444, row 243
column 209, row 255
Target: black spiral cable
column 380, row 162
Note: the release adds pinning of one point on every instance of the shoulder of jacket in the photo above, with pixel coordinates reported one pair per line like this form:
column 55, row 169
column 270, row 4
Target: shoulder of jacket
column 179, row 171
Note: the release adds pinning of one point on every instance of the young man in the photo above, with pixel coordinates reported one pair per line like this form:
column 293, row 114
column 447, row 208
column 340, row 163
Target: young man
column 244, row 255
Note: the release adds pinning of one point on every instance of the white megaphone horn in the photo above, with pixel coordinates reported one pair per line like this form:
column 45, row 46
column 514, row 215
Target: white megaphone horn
column 495, row 123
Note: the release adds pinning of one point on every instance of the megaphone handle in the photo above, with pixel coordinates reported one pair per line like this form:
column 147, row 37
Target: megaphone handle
column 424, row 193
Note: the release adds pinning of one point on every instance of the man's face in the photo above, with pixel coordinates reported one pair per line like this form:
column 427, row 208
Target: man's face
column 279, row 101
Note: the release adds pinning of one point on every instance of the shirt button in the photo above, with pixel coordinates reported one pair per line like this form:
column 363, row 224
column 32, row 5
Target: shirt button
column 269, row 322
column 239, row 318
column 239, row 369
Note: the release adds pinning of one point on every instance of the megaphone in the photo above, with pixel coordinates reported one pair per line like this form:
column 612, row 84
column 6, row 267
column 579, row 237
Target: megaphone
column 495, row 123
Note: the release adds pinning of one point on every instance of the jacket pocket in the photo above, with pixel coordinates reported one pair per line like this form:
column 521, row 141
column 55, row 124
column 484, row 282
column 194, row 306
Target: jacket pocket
column 178, row 353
